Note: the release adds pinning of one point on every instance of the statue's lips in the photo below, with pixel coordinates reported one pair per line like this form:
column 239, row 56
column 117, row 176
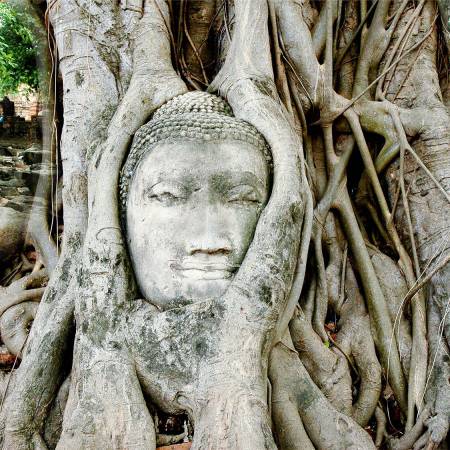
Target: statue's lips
column 204, row 271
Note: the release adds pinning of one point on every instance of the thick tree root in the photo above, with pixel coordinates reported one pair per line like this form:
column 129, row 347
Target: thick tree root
column 122, row 53
column 326, row 427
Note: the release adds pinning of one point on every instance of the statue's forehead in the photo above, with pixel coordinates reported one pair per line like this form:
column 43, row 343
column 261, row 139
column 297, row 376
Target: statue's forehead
column 232, row 156
column 194, row 164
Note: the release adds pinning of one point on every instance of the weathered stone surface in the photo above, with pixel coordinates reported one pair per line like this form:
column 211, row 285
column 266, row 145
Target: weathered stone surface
column 19, row 174
column 12, row 232
column 184, row 446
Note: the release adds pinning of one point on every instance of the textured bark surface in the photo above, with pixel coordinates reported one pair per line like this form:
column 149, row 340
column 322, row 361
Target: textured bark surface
column 322, row 339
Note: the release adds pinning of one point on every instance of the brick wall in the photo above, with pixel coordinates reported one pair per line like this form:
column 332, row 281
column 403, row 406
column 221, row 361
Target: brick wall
column 26, row 105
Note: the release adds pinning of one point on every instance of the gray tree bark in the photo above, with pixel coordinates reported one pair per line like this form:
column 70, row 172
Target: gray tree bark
column 313, row 333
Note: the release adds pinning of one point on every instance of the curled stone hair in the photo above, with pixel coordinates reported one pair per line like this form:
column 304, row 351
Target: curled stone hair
column 194, row 116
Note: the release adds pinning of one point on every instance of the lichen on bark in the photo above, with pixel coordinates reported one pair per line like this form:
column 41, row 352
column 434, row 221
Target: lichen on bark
column 313, row 344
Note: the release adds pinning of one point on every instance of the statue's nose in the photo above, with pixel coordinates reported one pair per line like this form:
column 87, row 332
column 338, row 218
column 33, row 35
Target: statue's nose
column 209, row 243
column 209, row 234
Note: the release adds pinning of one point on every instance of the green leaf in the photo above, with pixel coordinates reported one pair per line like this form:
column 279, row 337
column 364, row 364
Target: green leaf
column 17, row 51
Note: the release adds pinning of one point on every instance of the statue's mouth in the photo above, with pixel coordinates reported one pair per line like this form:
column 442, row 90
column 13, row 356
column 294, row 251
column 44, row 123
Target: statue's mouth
column 204, row 270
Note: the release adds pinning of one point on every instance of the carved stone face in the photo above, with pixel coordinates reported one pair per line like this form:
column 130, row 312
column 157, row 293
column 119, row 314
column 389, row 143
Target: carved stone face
column 191, row 213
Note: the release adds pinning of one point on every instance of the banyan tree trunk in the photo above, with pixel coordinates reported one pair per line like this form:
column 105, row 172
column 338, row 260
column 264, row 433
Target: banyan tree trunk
column 335, row 331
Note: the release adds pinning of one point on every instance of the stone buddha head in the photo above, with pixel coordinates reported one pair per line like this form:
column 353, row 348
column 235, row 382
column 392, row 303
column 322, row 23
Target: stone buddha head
column 192, row 190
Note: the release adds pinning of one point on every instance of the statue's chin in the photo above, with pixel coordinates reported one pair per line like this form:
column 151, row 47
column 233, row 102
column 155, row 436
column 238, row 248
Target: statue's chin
column 194, row 288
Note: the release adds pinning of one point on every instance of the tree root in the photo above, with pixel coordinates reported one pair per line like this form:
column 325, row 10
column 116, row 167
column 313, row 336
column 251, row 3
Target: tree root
column 326, row 427
column 327, row 368
column 14, row 299
column 394, row 287
column 418, row 369
column 312, row 404
column 18, row 305
column 377, row 306
column 356, row 339
column 408, row 440
column 15, row 325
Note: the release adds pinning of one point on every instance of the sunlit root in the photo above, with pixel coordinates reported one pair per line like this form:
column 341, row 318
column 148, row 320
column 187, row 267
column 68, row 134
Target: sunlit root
column 12, row 232
column 437, row 396
column 54, row 420
column 354, row 337
column 18, row 306
column 408, row 440
column 376, row 302
column 328, row 368
column 394, row 287
column 290, row 432
column 326, row 427
column 356, row 340
column 15, row 325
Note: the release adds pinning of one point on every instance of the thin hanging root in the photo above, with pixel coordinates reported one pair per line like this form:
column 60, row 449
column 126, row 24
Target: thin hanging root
column 281, row 79
column 194, row 49
column 395, row 202
column 407, row 73
column 381, row 426
column 354, row 100
column 376, row 220
column 418, row 366
column 405, row 145
column 299, row 48
column 403, row 38
column 407, row 211
column 343, row 52
column 376, row 302
column 341, row 298
column 427, row 278
column 321, row 300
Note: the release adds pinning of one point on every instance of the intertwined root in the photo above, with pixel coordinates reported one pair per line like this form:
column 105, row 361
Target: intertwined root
column 360, row 326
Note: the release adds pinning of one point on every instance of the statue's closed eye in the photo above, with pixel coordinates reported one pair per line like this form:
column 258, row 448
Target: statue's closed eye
column 165, row 193
column 244, row 194
column 164, row 197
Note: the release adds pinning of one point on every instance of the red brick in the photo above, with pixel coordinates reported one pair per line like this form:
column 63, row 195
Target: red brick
column 184, row 446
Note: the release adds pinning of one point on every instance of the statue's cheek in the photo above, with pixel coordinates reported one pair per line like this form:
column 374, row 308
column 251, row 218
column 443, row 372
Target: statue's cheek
column 242, row 224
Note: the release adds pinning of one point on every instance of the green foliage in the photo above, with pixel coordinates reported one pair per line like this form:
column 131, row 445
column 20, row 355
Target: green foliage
column 17, row 51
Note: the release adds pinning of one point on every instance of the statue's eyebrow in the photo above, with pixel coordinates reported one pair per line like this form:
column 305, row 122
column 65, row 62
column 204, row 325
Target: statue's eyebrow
column 168, row 182
column 187, row 182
